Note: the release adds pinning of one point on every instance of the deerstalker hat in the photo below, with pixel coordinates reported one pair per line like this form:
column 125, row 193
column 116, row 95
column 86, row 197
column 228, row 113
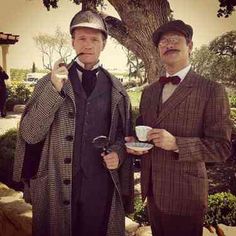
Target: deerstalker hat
column 176, row 26
column 88, row 19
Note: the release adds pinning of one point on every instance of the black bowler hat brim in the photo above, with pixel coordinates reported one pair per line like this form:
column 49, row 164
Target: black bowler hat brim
column 172, row 26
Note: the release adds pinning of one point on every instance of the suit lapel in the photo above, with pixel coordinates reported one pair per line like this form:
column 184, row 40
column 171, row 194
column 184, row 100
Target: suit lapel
column 178, row 96
column 153, row 107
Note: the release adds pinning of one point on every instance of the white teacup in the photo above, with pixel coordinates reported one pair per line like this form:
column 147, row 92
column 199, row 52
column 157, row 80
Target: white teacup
column 141, row 132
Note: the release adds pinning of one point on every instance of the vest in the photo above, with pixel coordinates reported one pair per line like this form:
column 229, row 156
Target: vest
column 93, row 118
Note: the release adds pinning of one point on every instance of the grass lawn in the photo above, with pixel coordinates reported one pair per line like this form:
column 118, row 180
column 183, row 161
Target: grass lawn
column 135, row 98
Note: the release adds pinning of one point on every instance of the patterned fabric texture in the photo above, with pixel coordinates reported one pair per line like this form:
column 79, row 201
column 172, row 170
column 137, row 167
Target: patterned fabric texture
column 197, row 114
column 46, row 117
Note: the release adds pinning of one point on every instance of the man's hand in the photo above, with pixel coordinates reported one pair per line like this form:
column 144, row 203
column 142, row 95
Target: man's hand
column 137, row 153
column 163, row 139
column 59, row 75
column 111, row 160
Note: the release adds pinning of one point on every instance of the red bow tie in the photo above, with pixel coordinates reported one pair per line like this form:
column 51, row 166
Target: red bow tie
column 171, row 79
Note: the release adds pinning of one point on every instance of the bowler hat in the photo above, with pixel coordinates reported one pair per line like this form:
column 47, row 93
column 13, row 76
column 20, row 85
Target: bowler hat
column 176, row 26
column 88, row 19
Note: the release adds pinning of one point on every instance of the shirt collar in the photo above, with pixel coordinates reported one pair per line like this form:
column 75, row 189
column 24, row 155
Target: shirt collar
column 82, row 64
column 182, row 73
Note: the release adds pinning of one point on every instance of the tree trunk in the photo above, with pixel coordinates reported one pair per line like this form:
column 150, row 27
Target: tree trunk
column 139, row 19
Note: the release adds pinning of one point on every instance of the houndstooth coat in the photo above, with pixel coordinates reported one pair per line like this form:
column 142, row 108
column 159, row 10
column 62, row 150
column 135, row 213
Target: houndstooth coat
column 46, row 117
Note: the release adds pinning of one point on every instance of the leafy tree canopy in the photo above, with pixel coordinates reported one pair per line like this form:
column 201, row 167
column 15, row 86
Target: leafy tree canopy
column 224, row 45
column 226, row 7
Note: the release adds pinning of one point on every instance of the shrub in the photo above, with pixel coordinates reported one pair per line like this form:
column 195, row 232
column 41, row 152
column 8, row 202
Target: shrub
column 7, row 152
column 221, row 209
column 18, row 93
column 232, row 101
column 140, row 214
column 18, row 74
column 233, row 117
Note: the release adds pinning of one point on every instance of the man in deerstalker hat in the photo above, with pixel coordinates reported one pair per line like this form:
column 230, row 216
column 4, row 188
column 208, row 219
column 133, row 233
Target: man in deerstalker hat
column 77, row 189
column 189, row 116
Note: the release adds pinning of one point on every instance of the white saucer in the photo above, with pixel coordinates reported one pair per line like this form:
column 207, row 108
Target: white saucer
column 136, row 146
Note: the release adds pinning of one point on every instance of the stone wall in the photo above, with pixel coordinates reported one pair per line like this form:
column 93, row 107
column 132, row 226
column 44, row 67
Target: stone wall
column 15, row 214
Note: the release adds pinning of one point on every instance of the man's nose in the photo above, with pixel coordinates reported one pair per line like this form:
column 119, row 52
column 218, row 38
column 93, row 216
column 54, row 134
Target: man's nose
column 88, row 44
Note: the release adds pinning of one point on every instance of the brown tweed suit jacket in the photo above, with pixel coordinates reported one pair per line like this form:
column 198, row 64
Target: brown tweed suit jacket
column 197, row 113
column 46, row 116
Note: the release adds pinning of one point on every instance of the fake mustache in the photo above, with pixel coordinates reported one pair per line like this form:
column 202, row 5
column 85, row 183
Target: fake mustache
column 171, row 50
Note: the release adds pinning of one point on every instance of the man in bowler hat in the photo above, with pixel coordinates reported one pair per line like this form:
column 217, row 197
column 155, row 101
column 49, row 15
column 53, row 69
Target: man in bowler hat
column 189, row 116
column 77, row 189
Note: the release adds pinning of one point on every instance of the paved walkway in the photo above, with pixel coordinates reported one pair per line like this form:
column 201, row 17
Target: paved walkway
column 10, row 121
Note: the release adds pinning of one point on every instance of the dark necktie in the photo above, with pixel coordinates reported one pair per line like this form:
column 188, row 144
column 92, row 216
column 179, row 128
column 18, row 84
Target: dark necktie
column 171, row 79
column 89, row 79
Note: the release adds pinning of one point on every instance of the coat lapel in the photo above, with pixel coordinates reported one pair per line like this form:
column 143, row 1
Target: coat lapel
column 179, row 95
column 153, row 107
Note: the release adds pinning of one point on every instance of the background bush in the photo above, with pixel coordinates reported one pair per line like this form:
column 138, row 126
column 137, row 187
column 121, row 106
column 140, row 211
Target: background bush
column 140, row 214
column 7, row 153
column 232, row 101
column 221, row 209
column 18, row 93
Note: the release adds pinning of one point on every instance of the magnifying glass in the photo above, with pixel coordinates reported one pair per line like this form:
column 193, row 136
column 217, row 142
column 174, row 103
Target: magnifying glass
column 101, row 142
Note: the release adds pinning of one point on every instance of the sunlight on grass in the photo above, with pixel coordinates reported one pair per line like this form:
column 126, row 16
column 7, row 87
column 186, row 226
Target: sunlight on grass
column 135, row 98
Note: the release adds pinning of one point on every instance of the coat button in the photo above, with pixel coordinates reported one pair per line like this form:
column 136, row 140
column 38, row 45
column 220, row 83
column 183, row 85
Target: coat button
column 69, row 138
column 66, row 202
column 71, row 115
column 66, row 181
column 67, row 160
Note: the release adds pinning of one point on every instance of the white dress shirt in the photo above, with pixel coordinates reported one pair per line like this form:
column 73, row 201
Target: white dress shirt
column 82, row 65
column 169, row 88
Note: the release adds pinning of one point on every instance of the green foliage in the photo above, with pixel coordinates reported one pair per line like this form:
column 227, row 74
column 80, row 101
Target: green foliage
column 221, row 209
column 18, row 75
column 54, row 3
column 213, row 66
column 226, row 8
column 140, row 214
column 135, row 97
column 224, row 45
column 7, row 152
column 232, row 101
column 233, row 117
column 18, row 93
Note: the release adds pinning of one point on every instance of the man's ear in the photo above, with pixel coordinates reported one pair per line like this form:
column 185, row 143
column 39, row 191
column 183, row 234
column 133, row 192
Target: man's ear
column 190, row 45
column 104, row 44
column 73, row 43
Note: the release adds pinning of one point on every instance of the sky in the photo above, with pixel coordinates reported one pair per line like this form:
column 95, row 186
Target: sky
column 28, row 18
